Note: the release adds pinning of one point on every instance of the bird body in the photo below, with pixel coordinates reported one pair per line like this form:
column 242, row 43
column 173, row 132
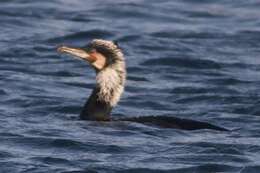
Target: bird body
column 108, row 61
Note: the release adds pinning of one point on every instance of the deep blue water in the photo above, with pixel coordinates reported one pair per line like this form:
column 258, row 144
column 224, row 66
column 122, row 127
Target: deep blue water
column 185, row 58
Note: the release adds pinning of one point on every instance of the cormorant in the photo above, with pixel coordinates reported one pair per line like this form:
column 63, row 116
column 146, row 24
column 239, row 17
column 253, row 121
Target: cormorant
column 108, row 61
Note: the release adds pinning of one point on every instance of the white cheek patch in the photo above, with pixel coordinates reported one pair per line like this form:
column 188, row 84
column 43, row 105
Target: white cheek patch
column 111, row 86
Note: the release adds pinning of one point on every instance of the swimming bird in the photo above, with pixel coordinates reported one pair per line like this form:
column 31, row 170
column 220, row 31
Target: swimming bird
column 108, row 61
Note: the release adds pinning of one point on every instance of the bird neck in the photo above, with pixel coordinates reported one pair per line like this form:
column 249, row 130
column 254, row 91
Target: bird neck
column 106, row 94
column 96, row 109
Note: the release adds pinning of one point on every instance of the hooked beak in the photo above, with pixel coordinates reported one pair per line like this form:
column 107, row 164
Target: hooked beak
column 78, row 53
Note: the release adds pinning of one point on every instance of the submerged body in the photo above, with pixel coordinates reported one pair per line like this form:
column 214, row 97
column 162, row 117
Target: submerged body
column 108, row 61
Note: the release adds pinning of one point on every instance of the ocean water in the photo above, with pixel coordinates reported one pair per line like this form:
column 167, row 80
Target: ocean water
column 185, row 58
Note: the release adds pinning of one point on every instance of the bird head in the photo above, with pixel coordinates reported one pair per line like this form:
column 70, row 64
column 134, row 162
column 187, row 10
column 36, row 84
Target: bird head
column 99, row 53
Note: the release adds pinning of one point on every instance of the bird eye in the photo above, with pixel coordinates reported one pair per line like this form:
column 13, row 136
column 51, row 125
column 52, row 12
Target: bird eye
column 92, row 51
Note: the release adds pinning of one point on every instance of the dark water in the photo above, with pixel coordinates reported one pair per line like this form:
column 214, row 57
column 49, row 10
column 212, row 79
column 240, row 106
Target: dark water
column 191, row 59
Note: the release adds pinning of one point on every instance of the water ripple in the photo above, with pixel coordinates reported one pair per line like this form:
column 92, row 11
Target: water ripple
column 188, row 59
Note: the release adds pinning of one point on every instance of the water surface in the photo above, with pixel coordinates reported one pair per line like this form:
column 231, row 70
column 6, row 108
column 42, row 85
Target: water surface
column 190, row 59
